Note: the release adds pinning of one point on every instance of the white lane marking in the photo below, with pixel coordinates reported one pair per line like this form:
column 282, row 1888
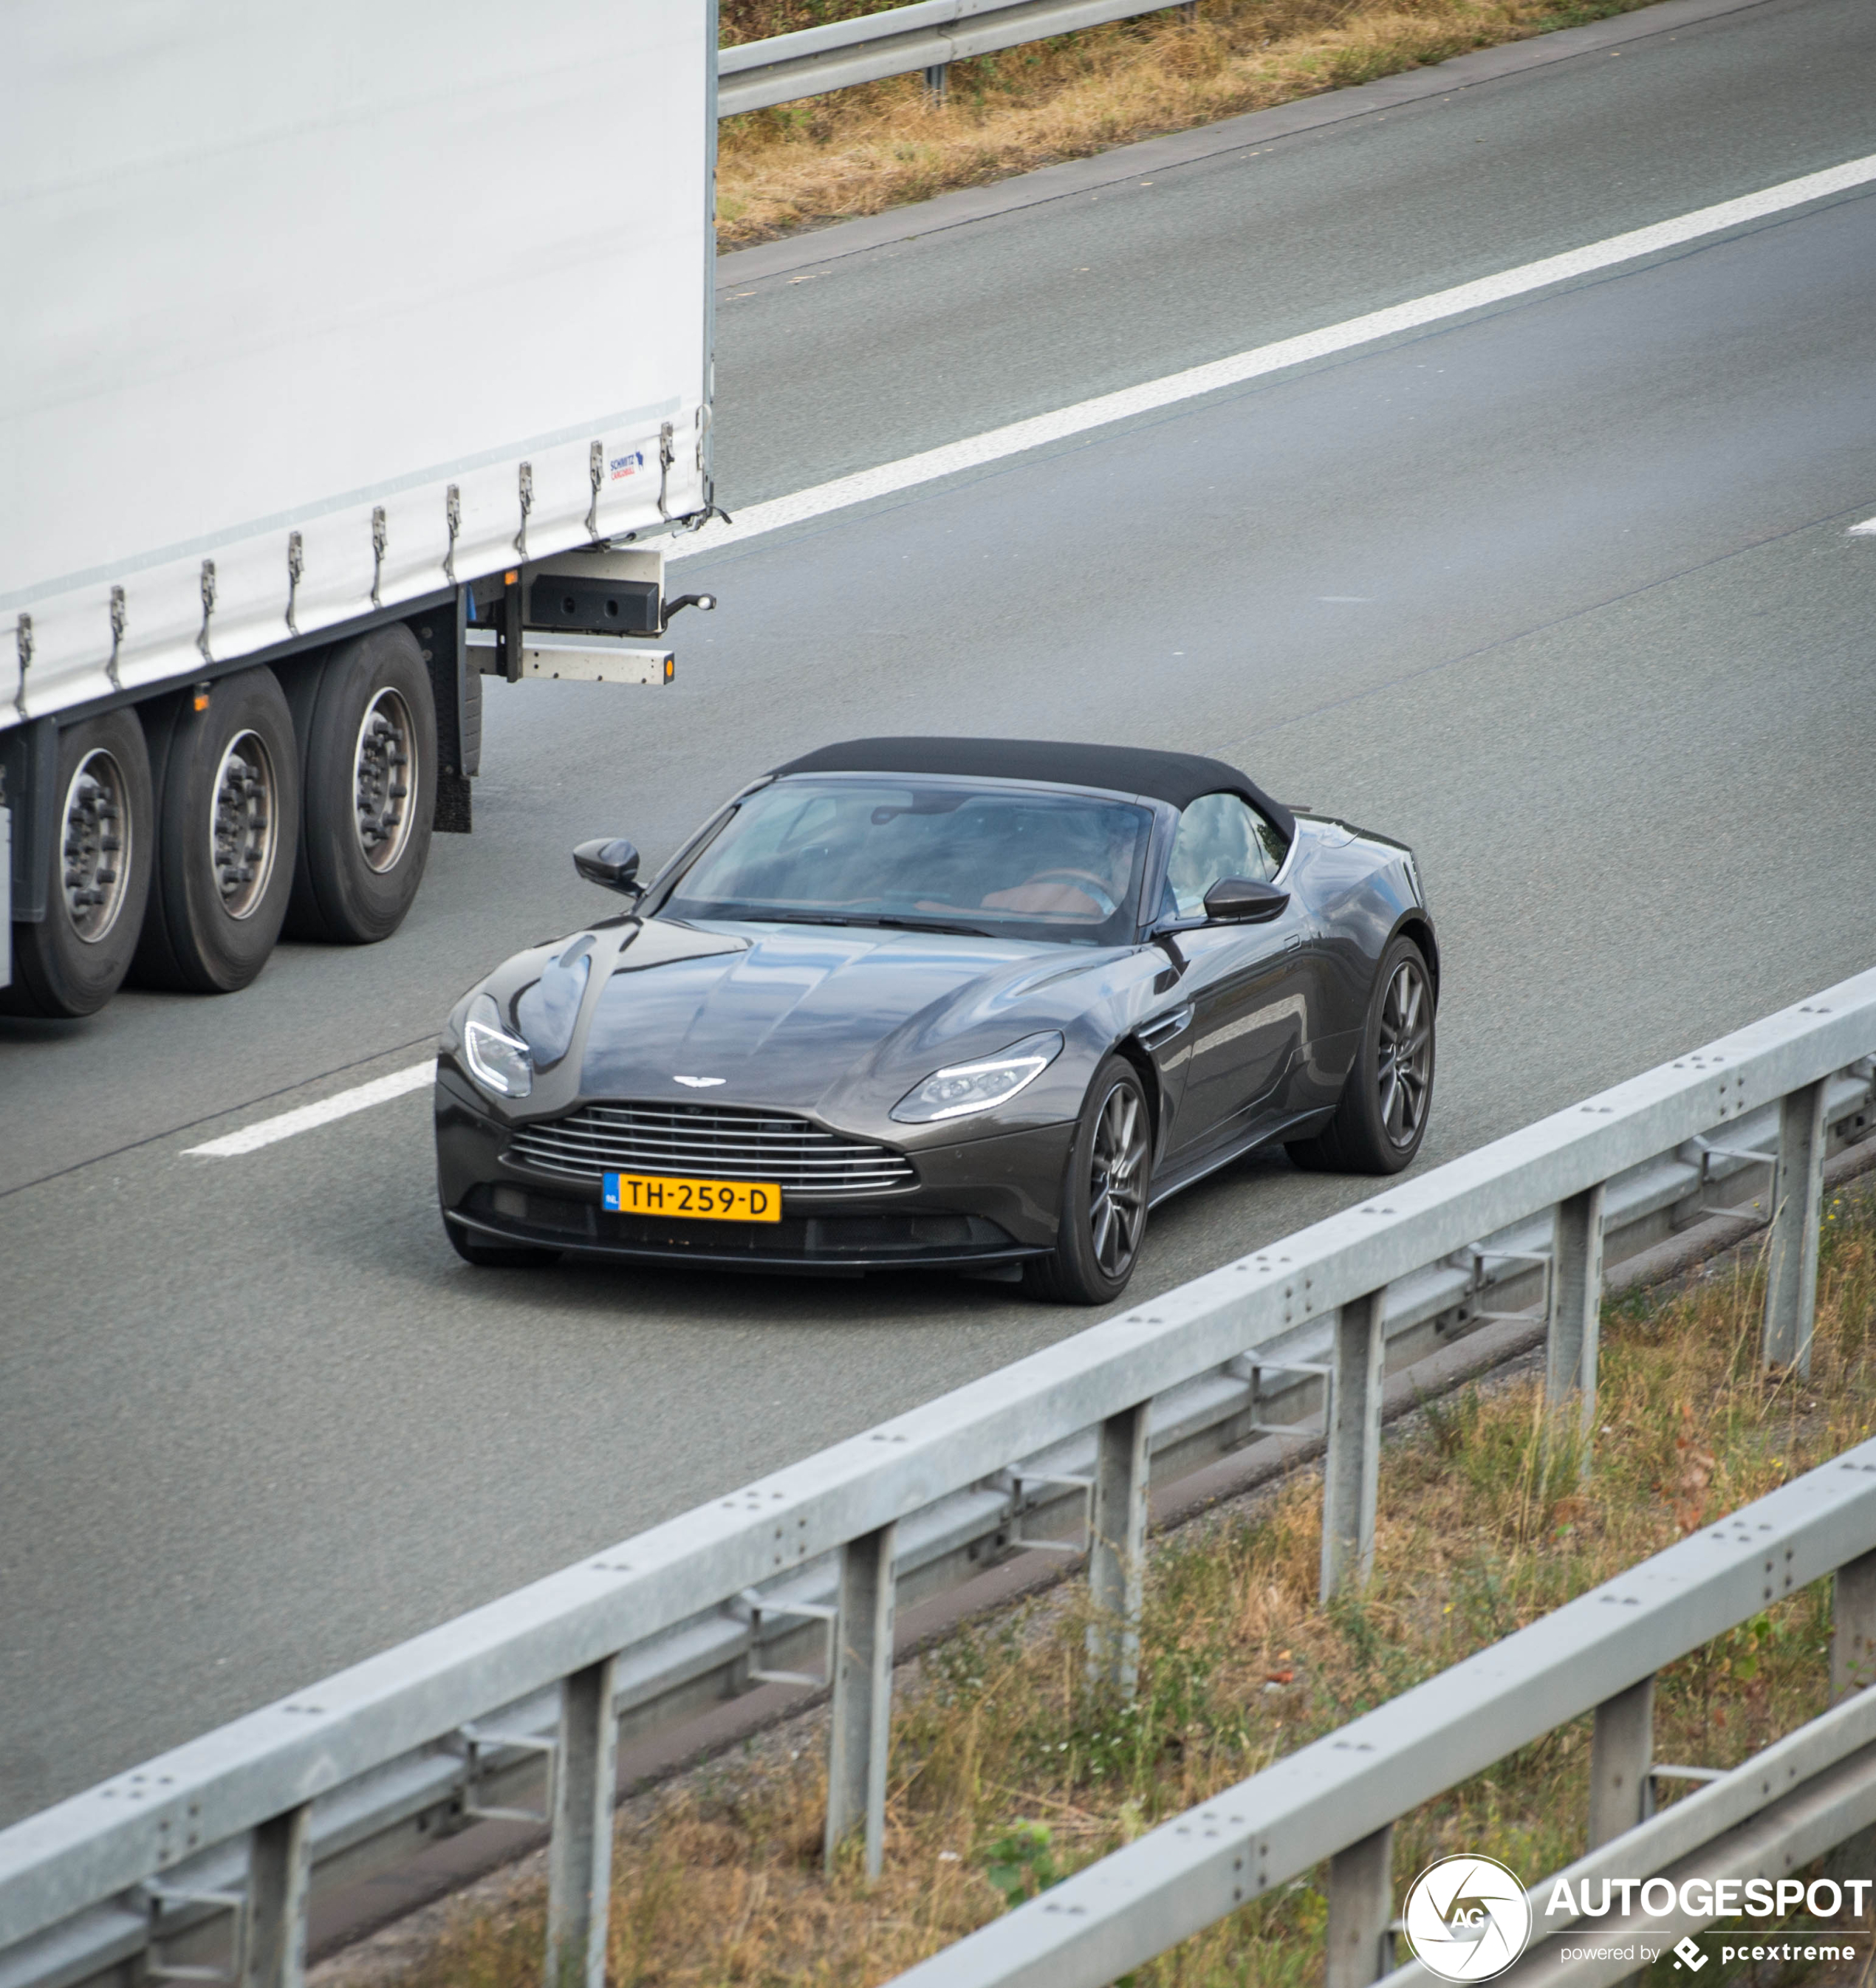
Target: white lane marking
column 1866, row 530
column 996, row 443
column 380, row 1090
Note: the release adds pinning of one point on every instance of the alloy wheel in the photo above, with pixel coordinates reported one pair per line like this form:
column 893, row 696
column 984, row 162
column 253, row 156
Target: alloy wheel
column 1117, row 1201
column 1405, row 1054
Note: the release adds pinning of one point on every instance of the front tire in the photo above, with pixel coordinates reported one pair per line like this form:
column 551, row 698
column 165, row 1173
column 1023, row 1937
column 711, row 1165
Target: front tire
column 1103, row 1220
column 368, row 736
column 1382, row 1116
column 75, row 959
column 228, row 815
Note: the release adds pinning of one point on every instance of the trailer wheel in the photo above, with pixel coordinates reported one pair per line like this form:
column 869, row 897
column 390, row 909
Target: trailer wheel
column 74, row 960
column 368, row 740
column 228, row 820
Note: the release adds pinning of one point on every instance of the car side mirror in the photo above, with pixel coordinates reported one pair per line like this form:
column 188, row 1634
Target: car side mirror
column 1241, row 901
column 611, row 862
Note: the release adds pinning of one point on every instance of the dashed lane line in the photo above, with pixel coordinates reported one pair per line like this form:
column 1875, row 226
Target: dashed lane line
column 361, row 1098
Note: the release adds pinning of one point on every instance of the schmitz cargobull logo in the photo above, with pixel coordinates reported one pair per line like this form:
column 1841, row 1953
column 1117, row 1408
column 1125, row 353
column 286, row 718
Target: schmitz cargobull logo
column 1468, row 1918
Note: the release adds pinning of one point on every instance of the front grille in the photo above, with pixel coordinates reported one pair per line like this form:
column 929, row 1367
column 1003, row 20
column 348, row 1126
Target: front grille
column 800, row 1157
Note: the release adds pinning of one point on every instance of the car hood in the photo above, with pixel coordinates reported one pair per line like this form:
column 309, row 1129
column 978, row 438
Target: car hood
column 807, row 1015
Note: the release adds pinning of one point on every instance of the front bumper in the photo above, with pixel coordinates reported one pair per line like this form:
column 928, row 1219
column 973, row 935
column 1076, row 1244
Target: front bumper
column 985, row 1201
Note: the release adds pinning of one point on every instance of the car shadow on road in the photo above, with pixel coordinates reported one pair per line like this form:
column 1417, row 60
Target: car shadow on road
column 1243, row 1207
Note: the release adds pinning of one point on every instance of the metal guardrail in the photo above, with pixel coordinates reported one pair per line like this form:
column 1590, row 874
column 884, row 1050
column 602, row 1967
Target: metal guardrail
column 1775, row 1814
column 928, row 36
column 372, row 1765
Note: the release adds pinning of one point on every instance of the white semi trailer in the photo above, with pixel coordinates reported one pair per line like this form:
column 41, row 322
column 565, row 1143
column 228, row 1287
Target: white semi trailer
column 348, row 353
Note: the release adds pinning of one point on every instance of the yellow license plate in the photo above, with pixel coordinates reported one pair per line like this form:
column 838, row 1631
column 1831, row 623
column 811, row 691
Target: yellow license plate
column 714, row 1201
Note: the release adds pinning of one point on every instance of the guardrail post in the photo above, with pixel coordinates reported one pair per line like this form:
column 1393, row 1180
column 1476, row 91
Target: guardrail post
column 1853, row 1668
column 1117, row 1552
column 1853, row 1627
column 938, row 84
column 1361, row 1911
column 279, row 1876
column 859, row 1731
column 579, row 1852
column 1621, row 1753
column 1351, row 1471
column 1791, row 1258
column 1576, row 1305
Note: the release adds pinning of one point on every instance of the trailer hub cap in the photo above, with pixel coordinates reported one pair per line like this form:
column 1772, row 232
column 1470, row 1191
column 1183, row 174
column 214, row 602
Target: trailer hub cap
column 243, row 830
column 95, row 846
column 385, row 775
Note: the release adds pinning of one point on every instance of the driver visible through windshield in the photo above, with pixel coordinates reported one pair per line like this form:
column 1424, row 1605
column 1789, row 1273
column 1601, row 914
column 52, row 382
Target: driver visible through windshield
column 1000, row 862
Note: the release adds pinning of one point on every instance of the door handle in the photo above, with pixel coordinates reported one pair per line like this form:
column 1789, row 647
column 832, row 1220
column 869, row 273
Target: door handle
column 1293, row 943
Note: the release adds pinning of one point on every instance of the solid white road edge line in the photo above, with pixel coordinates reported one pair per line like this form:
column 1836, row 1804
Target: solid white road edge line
column 1018, row 436
column 380, row 1090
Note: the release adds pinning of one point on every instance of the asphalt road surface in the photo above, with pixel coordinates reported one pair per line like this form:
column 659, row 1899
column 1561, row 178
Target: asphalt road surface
column 1562, row 594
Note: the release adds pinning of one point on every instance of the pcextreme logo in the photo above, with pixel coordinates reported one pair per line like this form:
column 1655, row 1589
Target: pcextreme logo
column 1468, row 1918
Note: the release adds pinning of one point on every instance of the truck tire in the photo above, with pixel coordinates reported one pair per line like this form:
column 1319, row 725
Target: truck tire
column 367, row 725
column 227, row 829
column 74, row 960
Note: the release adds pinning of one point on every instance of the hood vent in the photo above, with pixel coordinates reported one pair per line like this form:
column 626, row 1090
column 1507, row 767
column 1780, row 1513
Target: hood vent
column 720, row 1143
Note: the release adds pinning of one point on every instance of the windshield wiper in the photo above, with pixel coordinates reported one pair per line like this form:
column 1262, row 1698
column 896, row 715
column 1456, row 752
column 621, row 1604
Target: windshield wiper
column 768, row 918
column 926, row 925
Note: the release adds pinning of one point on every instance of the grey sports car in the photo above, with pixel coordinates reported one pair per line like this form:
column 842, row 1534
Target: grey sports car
column 971, row 1003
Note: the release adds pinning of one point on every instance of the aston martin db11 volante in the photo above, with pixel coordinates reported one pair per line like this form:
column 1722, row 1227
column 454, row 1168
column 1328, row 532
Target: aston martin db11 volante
column 974, row 1003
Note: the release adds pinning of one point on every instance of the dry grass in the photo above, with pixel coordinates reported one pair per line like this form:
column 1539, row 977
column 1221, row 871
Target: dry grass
column 860, row 151
column 1007, row 1772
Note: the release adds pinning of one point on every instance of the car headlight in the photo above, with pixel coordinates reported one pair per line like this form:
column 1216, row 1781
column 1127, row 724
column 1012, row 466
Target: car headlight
column 498, row 1060
column 965, row 1088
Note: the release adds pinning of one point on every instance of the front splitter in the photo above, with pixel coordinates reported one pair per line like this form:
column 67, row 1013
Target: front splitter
column 521, row 1236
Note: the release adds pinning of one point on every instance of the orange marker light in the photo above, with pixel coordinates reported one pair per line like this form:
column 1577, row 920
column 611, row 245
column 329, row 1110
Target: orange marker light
column 509, row 579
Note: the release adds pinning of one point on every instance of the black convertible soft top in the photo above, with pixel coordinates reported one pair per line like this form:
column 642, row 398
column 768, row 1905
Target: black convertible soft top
column 1177, row 777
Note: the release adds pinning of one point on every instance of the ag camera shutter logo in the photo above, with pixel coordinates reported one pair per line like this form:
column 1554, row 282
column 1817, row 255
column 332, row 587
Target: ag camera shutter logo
column 1468, row 1918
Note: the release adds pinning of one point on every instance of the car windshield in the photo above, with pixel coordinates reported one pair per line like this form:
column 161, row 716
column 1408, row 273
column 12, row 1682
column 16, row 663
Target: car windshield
column 1005, row 861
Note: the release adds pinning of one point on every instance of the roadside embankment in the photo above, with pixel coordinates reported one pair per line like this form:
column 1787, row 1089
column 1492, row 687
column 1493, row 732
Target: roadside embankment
column 880, row 145
column 1008, row 1771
